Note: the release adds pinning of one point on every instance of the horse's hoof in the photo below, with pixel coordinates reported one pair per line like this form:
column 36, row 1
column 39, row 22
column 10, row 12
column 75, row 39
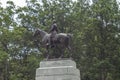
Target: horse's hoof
column 59, row 57
column 71, row 58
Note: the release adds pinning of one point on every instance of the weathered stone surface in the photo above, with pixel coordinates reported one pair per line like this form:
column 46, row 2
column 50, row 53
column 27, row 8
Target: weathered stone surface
column 57, row 70
column 57, row 63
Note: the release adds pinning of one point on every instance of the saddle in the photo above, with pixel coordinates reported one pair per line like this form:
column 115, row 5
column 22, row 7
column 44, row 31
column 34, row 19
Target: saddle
column 53, row 38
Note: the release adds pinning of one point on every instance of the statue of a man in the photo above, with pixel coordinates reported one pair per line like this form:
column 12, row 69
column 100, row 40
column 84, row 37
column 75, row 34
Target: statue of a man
column 53, row 31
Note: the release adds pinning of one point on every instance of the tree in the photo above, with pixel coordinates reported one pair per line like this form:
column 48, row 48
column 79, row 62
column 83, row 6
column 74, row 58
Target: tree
column 95, row 42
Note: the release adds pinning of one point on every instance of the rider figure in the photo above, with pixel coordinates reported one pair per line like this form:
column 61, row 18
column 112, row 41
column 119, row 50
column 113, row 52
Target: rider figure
column 53, row 31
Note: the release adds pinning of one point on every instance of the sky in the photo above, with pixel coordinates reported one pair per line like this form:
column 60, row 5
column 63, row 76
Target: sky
column 20, row 3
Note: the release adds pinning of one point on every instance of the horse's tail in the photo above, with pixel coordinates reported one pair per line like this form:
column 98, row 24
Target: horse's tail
column 70, row 35
column 68, row 39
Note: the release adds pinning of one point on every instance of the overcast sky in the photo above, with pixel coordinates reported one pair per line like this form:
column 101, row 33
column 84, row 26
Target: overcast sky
column 18, row 2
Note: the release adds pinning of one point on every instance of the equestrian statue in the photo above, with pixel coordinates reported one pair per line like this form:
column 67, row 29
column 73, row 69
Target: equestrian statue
column 54, row 40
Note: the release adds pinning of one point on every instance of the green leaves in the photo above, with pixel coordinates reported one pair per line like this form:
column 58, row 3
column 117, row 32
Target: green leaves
column 3, row 57
column 95, row 43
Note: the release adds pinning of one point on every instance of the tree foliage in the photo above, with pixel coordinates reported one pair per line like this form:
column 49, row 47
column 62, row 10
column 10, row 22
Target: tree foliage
column 96, row 36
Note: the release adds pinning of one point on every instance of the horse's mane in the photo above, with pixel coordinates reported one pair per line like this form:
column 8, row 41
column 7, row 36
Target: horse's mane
column 43, row 31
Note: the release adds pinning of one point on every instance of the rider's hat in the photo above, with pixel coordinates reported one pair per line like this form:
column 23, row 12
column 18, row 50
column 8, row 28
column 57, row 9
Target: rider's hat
column 54, row 21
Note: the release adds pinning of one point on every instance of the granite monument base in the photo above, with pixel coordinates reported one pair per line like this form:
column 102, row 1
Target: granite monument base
column 57, row 70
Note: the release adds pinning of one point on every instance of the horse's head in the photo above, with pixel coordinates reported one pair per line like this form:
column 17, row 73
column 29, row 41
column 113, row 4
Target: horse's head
column 39, row 32
column 36, row 33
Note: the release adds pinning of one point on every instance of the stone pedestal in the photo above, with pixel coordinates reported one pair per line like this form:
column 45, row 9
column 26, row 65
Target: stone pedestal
column 57, row 70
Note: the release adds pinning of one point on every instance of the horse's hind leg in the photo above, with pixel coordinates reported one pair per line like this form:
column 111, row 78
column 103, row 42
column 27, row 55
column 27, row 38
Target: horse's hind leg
column 47, row 52
column 61, row 52
column 47, row 57
column 70, row 51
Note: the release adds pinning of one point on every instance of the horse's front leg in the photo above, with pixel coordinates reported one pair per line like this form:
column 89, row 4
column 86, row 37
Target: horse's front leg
column 70, row 51
column 47, row 52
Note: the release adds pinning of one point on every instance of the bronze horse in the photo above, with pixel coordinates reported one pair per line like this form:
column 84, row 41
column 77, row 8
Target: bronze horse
column 61, row 39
